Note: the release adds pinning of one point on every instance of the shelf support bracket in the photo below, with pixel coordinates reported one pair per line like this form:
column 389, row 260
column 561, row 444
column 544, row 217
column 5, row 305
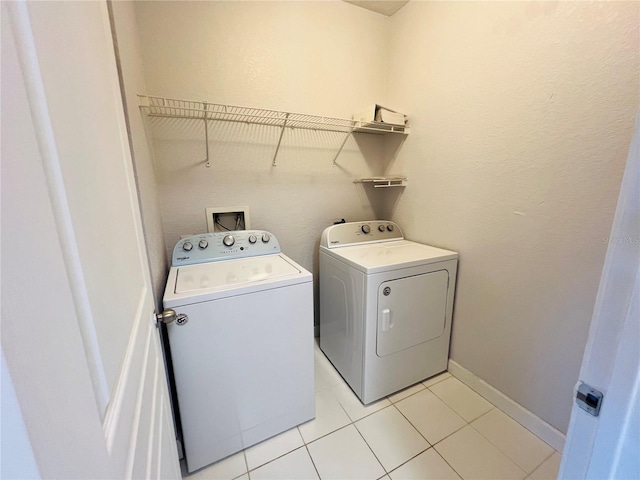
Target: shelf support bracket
column 207, row 163
column 284, row 125
column 344, row 142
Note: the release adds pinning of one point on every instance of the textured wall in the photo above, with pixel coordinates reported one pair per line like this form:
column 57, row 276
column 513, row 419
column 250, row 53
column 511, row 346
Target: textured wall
column 521, row 117
column 522, row 114
column 133, row 82
column 324, row 58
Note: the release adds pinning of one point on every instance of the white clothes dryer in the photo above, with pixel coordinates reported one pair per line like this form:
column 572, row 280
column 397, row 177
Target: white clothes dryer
column 385, row 307
column 242, row 343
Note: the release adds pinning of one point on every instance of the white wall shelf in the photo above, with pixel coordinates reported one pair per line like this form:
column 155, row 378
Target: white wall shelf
column 383, row 182
column 173, row 108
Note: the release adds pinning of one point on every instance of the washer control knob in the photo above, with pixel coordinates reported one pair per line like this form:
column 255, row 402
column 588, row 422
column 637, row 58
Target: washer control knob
column 365, row 228
column 265, row 238
column 203, row 244
column 187, row 246
column 228, row 240
column 390, row 227
column 252, row 239
column 381, row 228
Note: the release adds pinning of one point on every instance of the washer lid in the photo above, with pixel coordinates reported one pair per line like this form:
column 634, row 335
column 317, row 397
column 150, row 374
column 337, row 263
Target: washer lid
column 232, row 273
column 380, row 257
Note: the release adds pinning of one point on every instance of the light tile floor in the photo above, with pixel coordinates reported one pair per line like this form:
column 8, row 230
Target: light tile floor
column 437, row 429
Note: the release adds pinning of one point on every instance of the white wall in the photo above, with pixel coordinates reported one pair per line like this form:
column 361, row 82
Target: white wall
column 323, row 58
column 521, row 115
column 132, row 83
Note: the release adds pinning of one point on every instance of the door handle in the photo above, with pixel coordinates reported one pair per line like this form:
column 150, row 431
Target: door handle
column 387, row 324
column 167, row 316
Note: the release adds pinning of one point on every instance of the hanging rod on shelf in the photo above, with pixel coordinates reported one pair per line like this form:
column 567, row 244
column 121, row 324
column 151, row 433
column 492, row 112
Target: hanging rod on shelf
column 174, row 108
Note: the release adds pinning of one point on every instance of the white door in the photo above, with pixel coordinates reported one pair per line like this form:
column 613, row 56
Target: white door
column 83, row 358
column 608, row 446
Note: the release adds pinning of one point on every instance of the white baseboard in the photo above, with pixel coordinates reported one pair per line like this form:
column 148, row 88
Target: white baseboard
column 524, row 417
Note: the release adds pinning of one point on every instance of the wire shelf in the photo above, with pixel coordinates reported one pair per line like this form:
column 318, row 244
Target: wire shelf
column 205, row 111
column 173, row 108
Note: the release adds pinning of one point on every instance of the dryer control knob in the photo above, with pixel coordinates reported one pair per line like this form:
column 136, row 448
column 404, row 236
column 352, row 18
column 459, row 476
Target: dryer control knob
column 228, row 240
column 265, row 238
column 252, row 239
column 381, row 228
column 390, row 228
column 203, row 244
column 187, row 246
column 365, row 228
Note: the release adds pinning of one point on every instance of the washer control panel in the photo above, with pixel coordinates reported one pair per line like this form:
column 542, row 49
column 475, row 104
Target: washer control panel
column 212, row 247
column 352, row 233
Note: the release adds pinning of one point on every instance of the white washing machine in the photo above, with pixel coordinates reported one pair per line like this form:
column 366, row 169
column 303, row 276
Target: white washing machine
column 242, row 342
column 385, row 307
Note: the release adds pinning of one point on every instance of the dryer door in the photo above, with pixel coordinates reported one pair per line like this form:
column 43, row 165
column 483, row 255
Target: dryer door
column 411, row 311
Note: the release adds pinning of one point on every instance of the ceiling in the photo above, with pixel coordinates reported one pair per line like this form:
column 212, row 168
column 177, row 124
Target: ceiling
column 385, row 7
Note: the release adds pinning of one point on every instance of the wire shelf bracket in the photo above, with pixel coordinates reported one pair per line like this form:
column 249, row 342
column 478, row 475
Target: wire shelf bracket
column 383, row 182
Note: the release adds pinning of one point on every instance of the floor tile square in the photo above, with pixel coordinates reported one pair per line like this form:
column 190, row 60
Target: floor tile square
column 436, row 379
column 344, row 455
column 430, row 415
column 326, row 376
column 330, row 416
column 464, row 401
column 272, row 448
column 428, row 465
column 549, row 469
column 231, row 467
column 396, row 397
column 296, row 465
column 473, row 456
column 352, row 404
column 391, row 437
column 518, row 443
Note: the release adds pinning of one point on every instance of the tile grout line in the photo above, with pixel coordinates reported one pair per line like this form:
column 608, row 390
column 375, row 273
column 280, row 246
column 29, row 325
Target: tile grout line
column 541, row 463
column 472, row 390
column 353, row 422
column 312, row 461
column 429, row 443
column 273, row 460
column 371, row 449
column 505, row 453
column 444, row 438
column 407, row 461
column 414, row 427
column 246, row 463
column 391, row 404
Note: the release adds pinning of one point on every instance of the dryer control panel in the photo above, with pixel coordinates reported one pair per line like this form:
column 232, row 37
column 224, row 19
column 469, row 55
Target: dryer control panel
column 212, row 247
column 352, row 233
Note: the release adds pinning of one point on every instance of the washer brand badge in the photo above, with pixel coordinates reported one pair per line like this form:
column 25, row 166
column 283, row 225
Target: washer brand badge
column 386, row 291
column 182, row 258
column 182, row 318
column 333, row 242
